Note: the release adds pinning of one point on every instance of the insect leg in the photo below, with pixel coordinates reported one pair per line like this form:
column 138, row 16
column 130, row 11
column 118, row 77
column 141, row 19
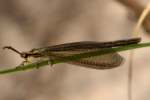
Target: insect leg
column 50, row 61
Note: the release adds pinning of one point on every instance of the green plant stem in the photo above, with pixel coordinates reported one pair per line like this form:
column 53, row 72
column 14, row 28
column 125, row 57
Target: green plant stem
column 42, row 63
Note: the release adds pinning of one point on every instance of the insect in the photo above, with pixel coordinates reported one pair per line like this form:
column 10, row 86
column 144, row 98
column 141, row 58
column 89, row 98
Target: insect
column 106, row 61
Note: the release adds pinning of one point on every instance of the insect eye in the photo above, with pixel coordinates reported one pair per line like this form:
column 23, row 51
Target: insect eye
column 24, row 55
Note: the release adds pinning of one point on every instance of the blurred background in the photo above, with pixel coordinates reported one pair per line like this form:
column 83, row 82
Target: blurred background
column 27, row 24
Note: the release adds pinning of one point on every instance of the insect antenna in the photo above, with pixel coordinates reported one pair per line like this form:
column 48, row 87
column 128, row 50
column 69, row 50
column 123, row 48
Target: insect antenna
column 13, row 49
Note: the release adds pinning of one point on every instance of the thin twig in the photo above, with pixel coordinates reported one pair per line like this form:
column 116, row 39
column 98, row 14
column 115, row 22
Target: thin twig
column 137, row 8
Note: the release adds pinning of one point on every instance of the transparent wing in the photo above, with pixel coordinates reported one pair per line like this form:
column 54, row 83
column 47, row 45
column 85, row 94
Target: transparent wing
column 88, row 45
column 106, row 61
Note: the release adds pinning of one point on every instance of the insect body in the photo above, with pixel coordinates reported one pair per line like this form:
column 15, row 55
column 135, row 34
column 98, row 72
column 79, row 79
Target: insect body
column 106, row 61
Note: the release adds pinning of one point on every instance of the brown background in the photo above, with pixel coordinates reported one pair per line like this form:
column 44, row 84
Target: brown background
column 27, row 24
